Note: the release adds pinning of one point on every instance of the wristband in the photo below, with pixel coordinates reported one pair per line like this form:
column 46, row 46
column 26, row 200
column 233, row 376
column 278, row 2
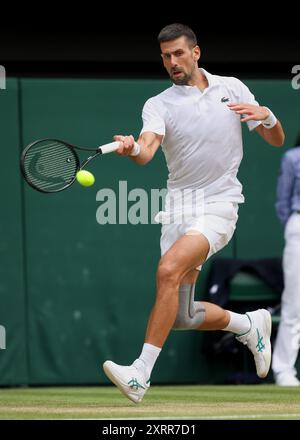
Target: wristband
column 136, row 150
column 270, row 121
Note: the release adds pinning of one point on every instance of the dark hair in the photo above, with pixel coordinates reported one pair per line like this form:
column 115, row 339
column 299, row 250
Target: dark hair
column 177, row 30
column 297, row 144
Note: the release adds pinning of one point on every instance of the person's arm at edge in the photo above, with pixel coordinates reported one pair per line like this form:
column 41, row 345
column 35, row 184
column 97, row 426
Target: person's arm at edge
column 148, row 141
column 285, row 184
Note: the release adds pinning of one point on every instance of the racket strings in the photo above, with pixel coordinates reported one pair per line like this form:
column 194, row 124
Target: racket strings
column 50, row 166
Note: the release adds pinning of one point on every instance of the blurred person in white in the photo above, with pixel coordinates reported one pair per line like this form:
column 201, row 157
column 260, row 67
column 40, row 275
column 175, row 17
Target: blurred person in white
column 287, row 342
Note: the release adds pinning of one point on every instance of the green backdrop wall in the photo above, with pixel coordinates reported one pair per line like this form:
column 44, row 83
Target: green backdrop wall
column 75, row 293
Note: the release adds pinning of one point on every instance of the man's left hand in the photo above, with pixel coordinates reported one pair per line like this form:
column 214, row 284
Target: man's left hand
column 250, row 112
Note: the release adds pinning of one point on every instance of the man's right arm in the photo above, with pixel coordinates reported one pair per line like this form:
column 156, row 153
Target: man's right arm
column 148, row 141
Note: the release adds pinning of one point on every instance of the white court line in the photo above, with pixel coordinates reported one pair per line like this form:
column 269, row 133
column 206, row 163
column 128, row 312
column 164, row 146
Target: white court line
column 227, row 417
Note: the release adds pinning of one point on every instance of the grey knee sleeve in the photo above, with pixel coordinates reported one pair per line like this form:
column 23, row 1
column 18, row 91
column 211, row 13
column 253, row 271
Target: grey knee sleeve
column 190, row 313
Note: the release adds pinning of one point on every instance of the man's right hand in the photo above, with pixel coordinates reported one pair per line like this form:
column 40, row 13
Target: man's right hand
column 126, row 145
column 148, row 144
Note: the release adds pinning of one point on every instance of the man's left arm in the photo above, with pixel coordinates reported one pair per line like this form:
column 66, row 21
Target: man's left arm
column 270, row 128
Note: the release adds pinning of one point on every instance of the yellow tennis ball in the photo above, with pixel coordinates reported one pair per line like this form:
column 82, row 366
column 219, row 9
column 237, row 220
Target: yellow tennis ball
column 85, row 178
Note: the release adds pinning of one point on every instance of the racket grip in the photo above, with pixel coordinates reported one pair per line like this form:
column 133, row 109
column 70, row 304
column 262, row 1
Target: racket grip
column 109, row 148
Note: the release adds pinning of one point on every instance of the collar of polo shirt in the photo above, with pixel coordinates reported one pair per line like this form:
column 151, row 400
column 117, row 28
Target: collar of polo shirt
column 212, row 81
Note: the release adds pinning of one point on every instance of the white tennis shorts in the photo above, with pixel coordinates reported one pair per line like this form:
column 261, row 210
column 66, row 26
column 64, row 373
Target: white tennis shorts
column 217, row 223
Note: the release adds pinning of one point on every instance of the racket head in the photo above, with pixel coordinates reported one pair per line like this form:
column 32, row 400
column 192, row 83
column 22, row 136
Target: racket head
column 49, row 165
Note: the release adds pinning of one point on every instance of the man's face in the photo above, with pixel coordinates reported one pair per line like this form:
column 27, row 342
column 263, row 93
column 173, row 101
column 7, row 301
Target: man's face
column 180, row 60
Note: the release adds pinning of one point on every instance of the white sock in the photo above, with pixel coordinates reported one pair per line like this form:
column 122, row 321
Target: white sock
column 147, row 358
column 239, row 324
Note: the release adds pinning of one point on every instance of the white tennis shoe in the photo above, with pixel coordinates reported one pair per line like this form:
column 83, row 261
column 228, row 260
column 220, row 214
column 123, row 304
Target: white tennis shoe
column 286, row 380
column 258, row 341
column 130, row 380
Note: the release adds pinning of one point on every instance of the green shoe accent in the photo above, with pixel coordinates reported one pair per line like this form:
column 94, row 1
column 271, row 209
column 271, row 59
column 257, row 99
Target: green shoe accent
column 133, row 383
column 260, row 346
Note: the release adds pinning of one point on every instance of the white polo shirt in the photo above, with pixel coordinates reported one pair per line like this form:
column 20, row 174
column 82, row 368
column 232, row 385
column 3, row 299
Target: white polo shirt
column 202, row 137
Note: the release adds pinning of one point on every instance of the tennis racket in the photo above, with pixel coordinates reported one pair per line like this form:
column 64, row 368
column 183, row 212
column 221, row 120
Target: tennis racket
column 51, row 165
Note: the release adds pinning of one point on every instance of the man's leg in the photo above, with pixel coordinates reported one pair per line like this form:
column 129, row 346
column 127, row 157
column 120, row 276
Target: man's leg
column 177, row 269
column 187, row 253
column 179, row 262
column 252, row 329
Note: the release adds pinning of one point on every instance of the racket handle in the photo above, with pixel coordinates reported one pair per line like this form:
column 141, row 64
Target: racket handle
column 109, row 148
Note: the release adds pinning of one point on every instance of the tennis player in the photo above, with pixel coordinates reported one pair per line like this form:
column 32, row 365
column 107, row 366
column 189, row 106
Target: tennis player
column 198, row 123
